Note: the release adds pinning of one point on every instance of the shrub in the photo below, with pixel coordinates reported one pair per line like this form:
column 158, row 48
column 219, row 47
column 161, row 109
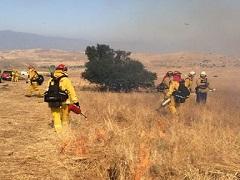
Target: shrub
column 115, row 70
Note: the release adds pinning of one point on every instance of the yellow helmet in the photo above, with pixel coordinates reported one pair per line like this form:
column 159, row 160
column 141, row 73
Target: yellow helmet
column 192, row 73
column 203, row 74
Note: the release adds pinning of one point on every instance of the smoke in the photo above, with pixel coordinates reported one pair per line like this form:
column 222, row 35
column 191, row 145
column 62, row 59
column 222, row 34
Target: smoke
column 216, row 25
column 146, row 25
column 187, row 25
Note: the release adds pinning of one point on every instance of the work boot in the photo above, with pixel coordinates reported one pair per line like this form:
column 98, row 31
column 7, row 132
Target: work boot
column 51, row 124
column 28, row 95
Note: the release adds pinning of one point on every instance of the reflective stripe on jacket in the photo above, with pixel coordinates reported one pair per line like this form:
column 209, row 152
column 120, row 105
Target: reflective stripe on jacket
column 202, row 85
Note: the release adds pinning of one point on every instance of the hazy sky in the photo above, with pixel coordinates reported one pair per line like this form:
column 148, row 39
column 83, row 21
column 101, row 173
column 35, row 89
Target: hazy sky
column 151, row 25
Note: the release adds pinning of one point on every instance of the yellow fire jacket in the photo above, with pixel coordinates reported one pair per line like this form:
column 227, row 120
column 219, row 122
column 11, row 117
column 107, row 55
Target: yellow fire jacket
column 16, row 73
column 167, row 81
column 189, row 83
column 66, row 85
column 173, row 87
column 32, row 74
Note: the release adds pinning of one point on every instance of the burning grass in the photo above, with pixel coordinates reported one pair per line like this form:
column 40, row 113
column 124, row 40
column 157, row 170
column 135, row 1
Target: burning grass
column 129, row 139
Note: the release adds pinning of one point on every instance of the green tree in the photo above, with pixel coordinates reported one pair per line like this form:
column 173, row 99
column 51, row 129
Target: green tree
column 115, row 70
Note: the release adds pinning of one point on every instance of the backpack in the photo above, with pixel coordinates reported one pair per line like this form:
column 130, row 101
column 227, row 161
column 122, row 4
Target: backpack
column 39, row 79
column 161, row 87
column 203, row 85
column 55, row 96
column 182, row 93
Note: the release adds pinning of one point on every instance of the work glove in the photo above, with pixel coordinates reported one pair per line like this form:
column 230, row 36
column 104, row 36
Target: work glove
column 77, row 104
column 166, row 97
column 212, row 90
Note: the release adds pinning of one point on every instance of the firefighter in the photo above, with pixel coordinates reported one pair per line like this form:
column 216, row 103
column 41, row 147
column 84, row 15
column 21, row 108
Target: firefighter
column 164, row 85
column 60, row 112
column 189, row 81
column 15, row 75
column 174, row 84
column 202, row 88
column 33, row 88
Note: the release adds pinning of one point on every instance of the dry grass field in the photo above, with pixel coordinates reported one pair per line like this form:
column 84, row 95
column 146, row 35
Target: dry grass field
column 124, row 136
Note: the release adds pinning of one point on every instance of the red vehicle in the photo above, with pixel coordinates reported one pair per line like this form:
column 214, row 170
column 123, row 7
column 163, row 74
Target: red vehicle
column 6, row 75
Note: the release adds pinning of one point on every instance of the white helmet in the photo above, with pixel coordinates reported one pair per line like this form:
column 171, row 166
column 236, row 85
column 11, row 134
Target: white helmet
column 203, row 73
column 192, row 73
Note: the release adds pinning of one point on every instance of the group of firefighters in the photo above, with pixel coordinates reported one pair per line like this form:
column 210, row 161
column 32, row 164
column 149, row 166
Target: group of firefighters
column 15, row 75
column 61, row 112
column 62, row 98
column 172, row 82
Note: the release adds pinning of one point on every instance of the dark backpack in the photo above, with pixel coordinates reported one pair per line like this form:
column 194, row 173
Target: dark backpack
column 182, row 93
column 39, row 79
column 161, row 87
column 203, row 85
column 55, row 96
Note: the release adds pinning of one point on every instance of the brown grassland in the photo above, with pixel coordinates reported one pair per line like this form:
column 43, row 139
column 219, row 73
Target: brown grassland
column 124, row 136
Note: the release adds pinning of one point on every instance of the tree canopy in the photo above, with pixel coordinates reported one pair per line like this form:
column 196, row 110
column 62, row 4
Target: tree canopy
column 115, row 70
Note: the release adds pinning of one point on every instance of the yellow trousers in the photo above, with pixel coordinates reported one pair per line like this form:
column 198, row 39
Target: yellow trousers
column 165, row 92
column 14, row 78
column 60, row 117
column 33, row 89
column 173, row 106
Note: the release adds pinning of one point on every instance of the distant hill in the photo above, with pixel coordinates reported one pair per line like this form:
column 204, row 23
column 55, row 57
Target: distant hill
column 40, row 58
column 153, row 61
column 10, row 40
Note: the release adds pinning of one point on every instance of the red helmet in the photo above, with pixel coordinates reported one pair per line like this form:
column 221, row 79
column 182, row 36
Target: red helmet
column 61, row 67
column 177, row 76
